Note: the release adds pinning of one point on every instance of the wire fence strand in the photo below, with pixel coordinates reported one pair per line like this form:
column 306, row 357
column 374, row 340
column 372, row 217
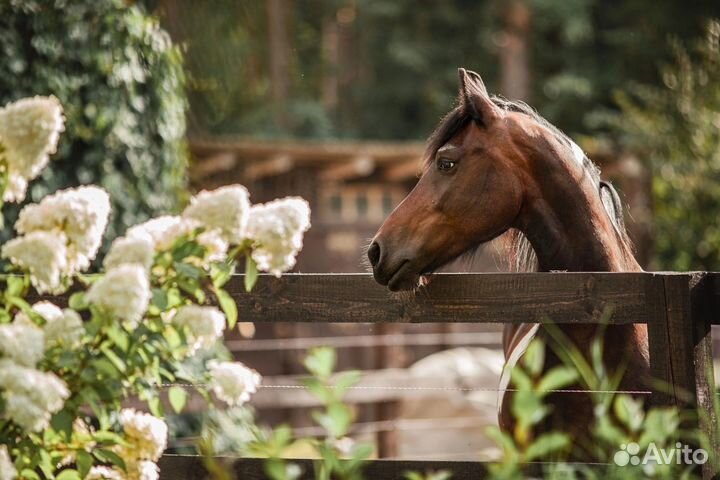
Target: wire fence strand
column 431, row 389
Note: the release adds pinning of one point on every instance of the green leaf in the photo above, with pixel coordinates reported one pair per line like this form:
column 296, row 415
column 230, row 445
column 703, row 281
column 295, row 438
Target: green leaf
column 28, row 474
column 229, row 307
column 546, row 445
column 15, row 285
column 534, row 357
column 108, row 456
column 661, row 424
column 178, row 397
column 114, row 359
column 220, row 273
column 629, row 411
column 520, row 379
column 362, row 451
column 84, row 461
column 346, row 380
column 46, row 464
column 319, row 389
column 160, row 299
column 504, row 441
column 119, row 336
column 106, row 368
column 155, row 406
column 78, row 301
column 189, row 271
column 69, row 474
column 105, row 436
column 527, row 407
column 251, row 273
column 62, row 421
column 336, row 420
column 557, row 378
column 321, row 362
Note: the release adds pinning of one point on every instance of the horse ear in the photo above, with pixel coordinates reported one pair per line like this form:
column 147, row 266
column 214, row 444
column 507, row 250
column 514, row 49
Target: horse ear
column 475, row 98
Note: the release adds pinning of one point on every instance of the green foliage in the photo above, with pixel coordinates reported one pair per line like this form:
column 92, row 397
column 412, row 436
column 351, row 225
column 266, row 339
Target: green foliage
column 528, row 409
column 397, row 62
column 619, row 419
column 428, row 476
column 340, row 457
column 122, row 85
column 114, row 361
column 677, row 129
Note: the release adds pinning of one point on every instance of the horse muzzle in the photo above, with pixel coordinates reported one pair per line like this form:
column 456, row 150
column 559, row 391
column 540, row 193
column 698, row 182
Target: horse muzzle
column 396, row 272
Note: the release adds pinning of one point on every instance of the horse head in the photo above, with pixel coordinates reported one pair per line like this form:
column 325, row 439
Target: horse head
column 469, row 193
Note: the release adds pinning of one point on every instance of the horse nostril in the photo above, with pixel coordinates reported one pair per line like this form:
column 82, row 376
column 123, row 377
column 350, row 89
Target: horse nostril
column 374, row 254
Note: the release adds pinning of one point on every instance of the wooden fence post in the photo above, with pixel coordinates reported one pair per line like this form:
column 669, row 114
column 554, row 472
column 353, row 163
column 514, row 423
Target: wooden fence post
column 703, row 287
column 681, row 354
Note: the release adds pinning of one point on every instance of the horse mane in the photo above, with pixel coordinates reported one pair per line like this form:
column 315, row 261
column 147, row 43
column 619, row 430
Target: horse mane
column 521, row 256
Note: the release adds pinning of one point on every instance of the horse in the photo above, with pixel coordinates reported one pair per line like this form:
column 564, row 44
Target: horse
column 495, row 167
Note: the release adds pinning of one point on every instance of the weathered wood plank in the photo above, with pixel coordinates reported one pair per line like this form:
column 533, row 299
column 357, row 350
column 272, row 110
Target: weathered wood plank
column 490, row 298
column 185, row 467
column 190, row 467
column 703, row 287
column 659, row 346
column 689, row 354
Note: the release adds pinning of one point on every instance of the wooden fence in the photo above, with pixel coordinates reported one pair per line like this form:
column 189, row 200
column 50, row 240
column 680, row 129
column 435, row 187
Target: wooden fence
column 678, row 308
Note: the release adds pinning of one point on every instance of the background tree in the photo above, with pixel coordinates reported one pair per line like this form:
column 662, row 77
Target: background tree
column 348, row 63
column 677, row 129
column 122, row 84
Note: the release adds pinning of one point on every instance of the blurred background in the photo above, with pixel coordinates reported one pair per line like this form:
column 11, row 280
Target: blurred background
column 332, row 100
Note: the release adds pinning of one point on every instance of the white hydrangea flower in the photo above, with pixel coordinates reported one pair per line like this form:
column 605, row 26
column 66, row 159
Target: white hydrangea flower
column 31, row 396
column 277, row 229
column 16, row 188
column 61, row 326
column 47, row 310
column 143, row 470
column 162, row 231
column 130, row 250
column 146, row 434
column 215, row 245
column 81, row 214
column 43, row 255
column 29, row 133
column 7, row 468
column 66, row 329
column 204, row 325
column 104, row 473
column 22, row 341
column 233, row 382
column 123, row 292
column 225, row 209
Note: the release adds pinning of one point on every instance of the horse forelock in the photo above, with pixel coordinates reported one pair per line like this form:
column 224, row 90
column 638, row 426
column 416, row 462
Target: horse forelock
column 521, row 255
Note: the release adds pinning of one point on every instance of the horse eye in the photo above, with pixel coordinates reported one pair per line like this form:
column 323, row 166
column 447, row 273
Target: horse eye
column 445, row 165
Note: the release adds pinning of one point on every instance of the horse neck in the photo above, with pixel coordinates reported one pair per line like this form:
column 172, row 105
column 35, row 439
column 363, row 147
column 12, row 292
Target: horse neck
column 569, row 229
column 566, row 222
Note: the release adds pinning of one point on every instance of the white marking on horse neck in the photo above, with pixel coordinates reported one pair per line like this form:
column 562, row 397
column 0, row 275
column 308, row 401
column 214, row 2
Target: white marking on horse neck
column 578, row 153
column 512, row 360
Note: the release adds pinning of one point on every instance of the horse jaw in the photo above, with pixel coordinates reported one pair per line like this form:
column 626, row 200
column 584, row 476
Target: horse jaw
column 472, row 260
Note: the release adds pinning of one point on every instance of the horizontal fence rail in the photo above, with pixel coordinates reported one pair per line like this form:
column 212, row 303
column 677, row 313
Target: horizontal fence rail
column 457, row 297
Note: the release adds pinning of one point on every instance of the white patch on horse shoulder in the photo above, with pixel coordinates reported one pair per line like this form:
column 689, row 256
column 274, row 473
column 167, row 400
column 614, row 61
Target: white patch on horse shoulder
column 578, row 154
column 510, row 363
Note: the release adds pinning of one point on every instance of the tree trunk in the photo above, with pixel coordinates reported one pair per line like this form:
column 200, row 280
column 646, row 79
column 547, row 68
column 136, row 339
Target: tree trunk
column 514, row 51
column 277, row 11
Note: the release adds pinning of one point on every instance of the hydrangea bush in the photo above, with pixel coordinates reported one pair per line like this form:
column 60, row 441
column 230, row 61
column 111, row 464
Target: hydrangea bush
column 65, row 372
